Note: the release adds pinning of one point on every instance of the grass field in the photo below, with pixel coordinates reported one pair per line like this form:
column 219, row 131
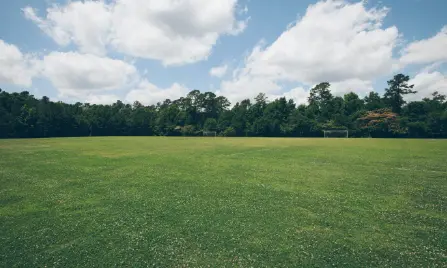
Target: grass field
column 218, row 202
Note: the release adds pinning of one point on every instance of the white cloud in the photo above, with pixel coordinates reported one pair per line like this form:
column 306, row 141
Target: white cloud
column 85, row 24
column 248, row 86
column 425, row 83
column 299, row 95
column 15, row 67
column 148, row 93
column 102, row 99
column 83, row 75
column 334, row 41
column 172, row 31
column 219, row 71
column 429, row 50
column 361, row 87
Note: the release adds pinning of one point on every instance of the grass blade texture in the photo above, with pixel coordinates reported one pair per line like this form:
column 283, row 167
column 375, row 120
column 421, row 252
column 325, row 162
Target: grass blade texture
column 223, row 202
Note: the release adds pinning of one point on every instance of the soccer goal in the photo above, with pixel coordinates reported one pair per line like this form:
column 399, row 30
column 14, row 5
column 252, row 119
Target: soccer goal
column 209, row 133
column 336, row 133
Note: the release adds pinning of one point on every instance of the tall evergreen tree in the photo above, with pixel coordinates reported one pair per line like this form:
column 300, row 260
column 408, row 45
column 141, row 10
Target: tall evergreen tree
column 398, row 87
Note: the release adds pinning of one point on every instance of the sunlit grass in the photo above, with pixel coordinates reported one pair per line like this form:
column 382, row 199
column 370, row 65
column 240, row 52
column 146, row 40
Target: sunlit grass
column 221, row 202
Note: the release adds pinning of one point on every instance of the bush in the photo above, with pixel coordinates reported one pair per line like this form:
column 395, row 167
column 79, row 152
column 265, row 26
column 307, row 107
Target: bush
column 189, row 130
column 210, row 124
column 229, row 132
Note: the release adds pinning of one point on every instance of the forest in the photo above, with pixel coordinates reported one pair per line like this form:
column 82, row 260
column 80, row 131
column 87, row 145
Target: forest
column 388, row 116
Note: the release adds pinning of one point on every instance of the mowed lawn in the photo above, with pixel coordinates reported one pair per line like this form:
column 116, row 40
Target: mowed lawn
column 223, row 202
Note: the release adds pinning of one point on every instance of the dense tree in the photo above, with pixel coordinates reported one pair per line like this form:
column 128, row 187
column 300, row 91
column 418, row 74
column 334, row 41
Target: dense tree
column 398, row 88
column 210, row 124
column 320, row 101
column 24, row 116
column 373, row 101
column 352, row 103
column 229, row 132
column 424, row 118
column 381, row 123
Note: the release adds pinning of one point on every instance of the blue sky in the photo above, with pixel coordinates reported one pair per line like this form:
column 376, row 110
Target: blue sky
column 279, row 48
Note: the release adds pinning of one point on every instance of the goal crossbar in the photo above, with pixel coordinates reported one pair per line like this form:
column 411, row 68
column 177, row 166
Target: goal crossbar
column 209, row 133
column 336, row 133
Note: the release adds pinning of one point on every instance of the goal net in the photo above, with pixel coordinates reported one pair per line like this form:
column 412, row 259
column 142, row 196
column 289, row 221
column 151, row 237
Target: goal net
column 336, row 133
column 209, row 133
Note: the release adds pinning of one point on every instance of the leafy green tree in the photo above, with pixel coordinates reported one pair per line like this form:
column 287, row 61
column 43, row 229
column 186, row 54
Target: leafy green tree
column 23, row 115
column 300, row 125
column 210, row 124
column 229, row 132
column 373, row 101
column 398, row 87
column 240, row 119
column 320, row 101
column 352, row 103
column 224, row 120
column 443, row 124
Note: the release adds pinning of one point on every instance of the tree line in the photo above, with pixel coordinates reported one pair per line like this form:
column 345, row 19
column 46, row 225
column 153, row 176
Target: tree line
column 24, row 116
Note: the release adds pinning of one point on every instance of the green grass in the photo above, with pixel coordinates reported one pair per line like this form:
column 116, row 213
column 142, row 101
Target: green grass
column 221, row 202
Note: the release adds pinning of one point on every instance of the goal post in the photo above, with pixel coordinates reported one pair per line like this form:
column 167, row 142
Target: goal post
column 336, row 133
column 209, row 133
